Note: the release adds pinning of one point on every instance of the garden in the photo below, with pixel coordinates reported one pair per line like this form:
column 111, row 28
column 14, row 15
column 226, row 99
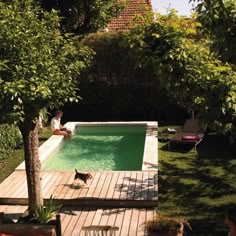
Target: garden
column 165, row 70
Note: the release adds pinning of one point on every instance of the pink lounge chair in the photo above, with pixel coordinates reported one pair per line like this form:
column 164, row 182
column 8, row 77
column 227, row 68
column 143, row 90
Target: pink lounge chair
column 192, row 134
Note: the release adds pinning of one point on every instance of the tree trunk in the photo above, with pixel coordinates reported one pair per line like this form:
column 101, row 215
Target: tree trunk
column 29, row 131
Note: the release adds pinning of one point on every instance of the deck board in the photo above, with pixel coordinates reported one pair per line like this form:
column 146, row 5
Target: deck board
column 129, row 220
column 105, row 189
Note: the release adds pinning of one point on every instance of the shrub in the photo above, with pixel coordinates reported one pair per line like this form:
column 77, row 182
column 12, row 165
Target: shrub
column 10, row 138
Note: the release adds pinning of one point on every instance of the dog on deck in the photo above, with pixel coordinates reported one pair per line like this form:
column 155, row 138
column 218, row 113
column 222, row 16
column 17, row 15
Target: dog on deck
column 82, row 176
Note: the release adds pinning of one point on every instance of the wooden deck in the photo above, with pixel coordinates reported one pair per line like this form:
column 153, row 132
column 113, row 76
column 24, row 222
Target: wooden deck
column 107, row 189
column 129, row 220
column 124, row 199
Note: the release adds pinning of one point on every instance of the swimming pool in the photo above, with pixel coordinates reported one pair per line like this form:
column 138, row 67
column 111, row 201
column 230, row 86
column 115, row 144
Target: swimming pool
column 144, row 156
column 100, row 148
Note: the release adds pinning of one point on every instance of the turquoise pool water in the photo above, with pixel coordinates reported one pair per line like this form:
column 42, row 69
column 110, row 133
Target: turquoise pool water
column 100, row 148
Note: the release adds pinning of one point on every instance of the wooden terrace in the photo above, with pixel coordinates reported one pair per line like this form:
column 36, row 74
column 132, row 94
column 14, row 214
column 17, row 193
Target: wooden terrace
column 124, row 199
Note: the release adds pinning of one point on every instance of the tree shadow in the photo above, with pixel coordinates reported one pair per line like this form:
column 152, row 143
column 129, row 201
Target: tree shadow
column 201, row 191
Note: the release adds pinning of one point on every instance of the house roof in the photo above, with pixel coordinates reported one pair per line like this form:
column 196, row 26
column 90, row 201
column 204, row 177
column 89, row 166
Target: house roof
column 133, row 7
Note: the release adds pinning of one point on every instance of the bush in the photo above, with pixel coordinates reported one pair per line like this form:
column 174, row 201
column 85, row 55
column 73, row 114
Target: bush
column 10, row 138
column 113, row 88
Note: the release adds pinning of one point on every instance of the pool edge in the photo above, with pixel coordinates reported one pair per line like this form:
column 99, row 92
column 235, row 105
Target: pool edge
column 150, row 156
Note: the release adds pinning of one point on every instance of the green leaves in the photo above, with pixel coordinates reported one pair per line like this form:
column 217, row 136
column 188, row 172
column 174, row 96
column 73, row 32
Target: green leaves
column 185, row 68
column 45, row 213
column 39, row 64
column 219, row 19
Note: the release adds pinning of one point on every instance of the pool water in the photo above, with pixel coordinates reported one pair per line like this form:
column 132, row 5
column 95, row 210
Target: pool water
column 100, row 148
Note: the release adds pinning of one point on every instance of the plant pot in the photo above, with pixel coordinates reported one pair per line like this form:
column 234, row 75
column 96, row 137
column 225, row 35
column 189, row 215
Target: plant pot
column 170, row 233
column 52, row 228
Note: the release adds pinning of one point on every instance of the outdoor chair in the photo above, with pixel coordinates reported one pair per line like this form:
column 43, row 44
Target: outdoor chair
column 100, row 230
column 192, row 134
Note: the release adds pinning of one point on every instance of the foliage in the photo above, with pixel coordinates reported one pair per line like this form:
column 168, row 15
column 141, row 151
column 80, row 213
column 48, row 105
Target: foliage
column 39, row 65
column 41, row 62
column 190, row 25
column 10, row 138
column 113, row 74
column 46, row 212
column 166, row 224
column 187, row 70
column 198, row 185
column 86, row 16
column 218, row 18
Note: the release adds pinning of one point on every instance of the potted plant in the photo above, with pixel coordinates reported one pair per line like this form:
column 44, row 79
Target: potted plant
column 44, row 223
column 162, row 225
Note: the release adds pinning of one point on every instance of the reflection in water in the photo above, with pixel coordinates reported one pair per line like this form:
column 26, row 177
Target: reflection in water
column 101, row 148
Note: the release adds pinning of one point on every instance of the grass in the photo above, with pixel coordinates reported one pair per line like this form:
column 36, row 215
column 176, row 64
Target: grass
column 199, row 185
column 8, row 165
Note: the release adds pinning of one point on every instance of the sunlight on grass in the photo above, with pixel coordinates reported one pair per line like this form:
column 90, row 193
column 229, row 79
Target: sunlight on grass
column 216, row 202
column 8, row 165
column 198, row 186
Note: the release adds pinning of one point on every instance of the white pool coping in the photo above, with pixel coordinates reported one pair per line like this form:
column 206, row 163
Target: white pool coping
column 150, row 156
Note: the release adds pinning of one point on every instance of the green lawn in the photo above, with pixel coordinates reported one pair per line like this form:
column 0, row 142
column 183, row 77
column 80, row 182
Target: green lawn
column 8, row 165
column 198, row 185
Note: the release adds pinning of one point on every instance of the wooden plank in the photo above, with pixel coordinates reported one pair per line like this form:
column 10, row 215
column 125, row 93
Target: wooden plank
column 13, row 178
column 134, row 222
column 64, row 212
column 68, row 184
column 106, row 186
column 90, row 217
column 150, row 214
column 138, row 187
column 132, row 186
column 97, row 217
column 124, row 231
column 151, row 186
column 125, row 186
column 21, row 191
column 141, row 220
column 82, row 218
column 118, row 187
column 71, row 226
column 99, row 187
column 105, row 217
column 66, row 223
column 90, row 192
column 70, row 190
column 112, row 216
column 68, row 187
column 12, row 184
column 156, row 187
column 53, row 184
column 50, row 183
column 112, row 186
column 61, row 185
column 144, row 193
column 119, row 220
column 3, row 208
column 45, row 179
column 11, row 212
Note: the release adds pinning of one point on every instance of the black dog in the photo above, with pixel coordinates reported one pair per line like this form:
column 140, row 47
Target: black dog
column 82, row 176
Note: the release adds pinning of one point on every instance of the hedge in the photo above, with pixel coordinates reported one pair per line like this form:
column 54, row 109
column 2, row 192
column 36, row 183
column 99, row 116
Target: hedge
column 10, row 138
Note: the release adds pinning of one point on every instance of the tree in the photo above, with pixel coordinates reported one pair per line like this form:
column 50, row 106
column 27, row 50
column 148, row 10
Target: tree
column 218, row 18
column 85, row 16
column 38, row 69
column 187, row 71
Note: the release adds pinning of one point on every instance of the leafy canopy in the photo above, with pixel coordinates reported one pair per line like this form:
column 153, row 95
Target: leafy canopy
column 186, row 70
column 38, row 64
column 218, row 18
column 85, row 16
